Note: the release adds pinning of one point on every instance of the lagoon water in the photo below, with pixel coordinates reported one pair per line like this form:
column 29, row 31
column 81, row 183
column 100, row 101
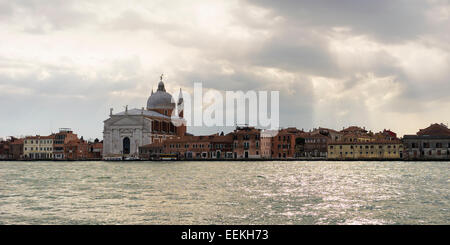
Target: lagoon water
column 224, row 193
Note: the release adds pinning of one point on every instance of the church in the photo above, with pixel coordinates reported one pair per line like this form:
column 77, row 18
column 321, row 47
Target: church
column 126, row 131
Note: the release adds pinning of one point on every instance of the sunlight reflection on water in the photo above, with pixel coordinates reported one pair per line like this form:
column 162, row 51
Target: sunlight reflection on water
column 224, row 193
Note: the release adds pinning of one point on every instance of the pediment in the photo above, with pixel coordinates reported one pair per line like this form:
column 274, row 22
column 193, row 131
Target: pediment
column 126, row 121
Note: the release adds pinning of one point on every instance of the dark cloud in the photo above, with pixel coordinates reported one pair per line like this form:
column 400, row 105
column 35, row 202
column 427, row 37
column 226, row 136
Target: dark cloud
column 287, row 52
column 266, row 45
column 385, row 20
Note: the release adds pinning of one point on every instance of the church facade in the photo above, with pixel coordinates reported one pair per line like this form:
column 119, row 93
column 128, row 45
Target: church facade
column 126, row 131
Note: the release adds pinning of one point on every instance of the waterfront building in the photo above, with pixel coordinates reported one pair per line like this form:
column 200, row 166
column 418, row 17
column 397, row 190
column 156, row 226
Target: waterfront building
column 246, row 143
column 315, row 145
column 266, row 143
column 283, row 144
column 151, row 151
column 4, row 149
column 386, row 135
column 77, row 149
column 358, row 143
column 38, row 147
column 15, row 148
column 126, row 131
column 191, row 147
column 332, row 134
column 375, row 149
column 356, row 134
column 95, row 150
column 64, row 136
column 242, row 143
column 431, row 143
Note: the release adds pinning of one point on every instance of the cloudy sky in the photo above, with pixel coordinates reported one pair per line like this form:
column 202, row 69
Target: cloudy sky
column 379, row 64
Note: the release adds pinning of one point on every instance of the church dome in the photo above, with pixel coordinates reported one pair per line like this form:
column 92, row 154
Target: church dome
column 160, row 99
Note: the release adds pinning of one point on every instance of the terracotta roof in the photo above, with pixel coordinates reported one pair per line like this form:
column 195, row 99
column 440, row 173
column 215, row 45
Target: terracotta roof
column 316, row 135
column 40, row 137
column 435, row 130
column 353, row 129
column 17, row 142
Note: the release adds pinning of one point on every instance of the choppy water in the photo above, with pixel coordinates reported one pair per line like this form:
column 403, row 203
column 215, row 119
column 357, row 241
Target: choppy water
column 224, row 193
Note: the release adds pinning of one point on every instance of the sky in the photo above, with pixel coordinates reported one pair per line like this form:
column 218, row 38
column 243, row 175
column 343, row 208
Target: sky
column 379, row 64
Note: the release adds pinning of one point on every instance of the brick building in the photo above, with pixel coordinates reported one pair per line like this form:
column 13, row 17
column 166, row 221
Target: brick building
column 16, row 148
column 4, row 149
column 77, row 149
column 191, row 147
column 64, row 136
column 283, row 144
column 95, row 150
column 246, row 143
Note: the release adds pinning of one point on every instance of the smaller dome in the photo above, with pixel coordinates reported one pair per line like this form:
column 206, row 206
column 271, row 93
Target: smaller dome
column 161, row 87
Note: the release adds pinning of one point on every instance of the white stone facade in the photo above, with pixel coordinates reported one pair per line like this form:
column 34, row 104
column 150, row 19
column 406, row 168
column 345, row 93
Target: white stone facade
column 126, row 131
column 135, row 127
